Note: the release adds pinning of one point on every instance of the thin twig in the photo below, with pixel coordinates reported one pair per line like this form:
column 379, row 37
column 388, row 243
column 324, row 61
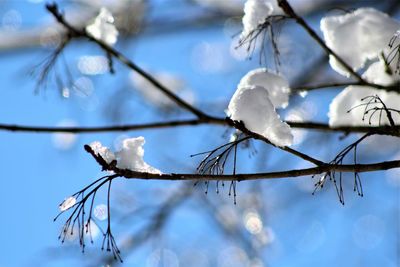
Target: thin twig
column 389, row 88
column 381, row 130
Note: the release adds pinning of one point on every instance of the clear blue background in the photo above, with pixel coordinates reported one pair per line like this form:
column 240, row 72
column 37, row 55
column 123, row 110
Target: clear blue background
column 304, row 230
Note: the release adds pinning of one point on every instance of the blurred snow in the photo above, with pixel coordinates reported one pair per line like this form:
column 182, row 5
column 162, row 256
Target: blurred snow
column 102, row 28
column 352, row 96
column 358, row 36
column 255, row 13
column 64, row 141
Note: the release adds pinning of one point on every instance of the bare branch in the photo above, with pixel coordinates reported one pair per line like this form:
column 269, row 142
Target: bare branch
column 381, row 130
column 74, row 32
column 395, row 87
column 129, row 174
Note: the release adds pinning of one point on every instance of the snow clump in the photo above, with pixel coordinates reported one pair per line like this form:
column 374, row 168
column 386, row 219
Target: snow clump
column 357, row 37
column 254, row 102
column 130, row 156
column 102, row 28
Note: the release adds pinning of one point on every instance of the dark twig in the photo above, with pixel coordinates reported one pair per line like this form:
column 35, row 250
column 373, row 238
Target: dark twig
column 267, row 28
column 156, row 223
column 240, row 126
column 382, row 130
column 388, row 88
column 53, row 9
column 77, row 223
column 332, row 175
column 287, row 8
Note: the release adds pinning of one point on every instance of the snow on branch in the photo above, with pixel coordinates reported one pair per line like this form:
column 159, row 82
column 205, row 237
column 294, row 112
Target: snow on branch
column 357, row 37
column 252, row 112
column 260, row 20
column 130, row 156
column 254, row 102
column 103, row 28
column 252, row 106
column 81, row 203
column 344, row 108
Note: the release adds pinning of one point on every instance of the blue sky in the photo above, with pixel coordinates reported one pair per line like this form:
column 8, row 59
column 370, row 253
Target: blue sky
column 308, row 230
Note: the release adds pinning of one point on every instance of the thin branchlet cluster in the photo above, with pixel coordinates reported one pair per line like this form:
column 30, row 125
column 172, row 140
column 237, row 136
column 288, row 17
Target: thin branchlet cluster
column 374, row 106
column 394, row 54
column 268, row 29
column 47, row 70
column 215, row 161
column 337, row 178
column 108, row 239
column 78, row 221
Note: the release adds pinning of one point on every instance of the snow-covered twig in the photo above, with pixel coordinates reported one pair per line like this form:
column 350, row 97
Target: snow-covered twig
column 287, row 8
column 129, row 174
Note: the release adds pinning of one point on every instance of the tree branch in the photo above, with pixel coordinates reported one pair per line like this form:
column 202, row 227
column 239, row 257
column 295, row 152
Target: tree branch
column 53, row 9
column 129, row 174
column 240, row 126
column 395, row 87
column 381, row 130
column 287, row 8
column 102, row 129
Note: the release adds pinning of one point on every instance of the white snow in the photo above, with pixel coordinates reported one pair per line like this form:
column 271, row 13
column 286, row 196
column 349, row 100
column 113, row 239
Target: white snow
column 376, row 73
column 252, row 106
column 154, row 96
column 255, row 13
column 102, row 28
column 130, row 155
column 351, row 97
column 67, row 203
column 276, row 85
column 102, row 151
column 357, row 37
